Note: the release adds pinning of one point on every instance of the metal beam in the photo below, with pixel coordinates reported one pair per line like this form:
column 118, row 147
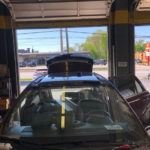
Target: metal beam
column 61, row 23
column 47, row 1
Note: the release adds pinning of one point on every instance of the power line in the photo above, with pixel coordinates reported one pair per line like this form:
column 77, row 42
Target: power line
column 37, row 32
column 71, row 31
column 142, row 36
column 43, row 38
column 48, row 44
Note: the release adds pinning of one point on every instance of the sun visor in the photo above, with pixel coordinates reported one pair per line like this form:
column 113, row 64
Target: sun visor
column 69, row 63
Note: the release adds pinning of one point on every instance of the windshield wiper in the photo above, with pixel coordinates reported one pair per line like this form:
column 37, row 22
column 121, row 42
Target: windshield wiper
column 132, row 146
column 19, row 143
column 23, row 144
column 96, row 145
column 126, row 147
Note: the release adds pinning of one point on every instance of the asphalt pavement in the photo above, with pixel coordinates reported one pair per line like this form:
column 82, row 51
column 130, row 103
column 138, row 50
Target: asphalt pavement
column 141, row 71
column 23, row 84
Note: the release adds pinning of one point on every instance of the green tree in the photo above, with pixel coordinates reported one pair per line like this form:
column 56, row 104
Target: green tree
column 96, row 45
column 75, row 48
column 71, row 49
column 139, row 46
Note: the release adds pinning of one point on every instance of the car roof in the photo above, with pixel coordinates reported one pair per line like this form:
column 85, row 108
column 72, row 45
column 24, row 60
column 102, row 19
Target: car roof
column 52, row 79
column 69, row 68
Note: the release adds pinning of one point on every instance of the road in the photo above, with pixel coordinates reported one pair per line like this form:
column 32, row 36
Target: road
column 141, row 72
column 23, row 84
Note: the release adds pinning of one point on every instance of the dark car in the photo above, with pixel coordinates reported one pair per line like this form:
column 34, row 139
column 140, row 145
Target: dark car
column 22, row 64
column 138, row 61
column 72, row 108
column 31, row 64
column 137, row 96
column 100, row 62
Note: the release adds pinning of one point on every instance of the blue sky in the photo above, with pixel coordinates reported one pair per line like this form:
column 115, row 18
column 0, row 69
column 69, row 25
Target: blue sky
column 142, row 33
column 48, row 40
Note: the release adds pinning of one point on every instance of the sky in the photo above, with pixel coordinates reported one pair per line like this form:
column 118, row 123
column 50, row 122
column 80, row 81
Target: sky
column 48, row 40
column 142, row 33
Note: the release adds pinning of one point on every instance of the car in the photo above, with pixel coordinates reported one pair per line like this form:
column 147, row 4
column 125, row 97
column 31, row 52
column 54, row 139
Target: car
column 148, row 76
column 138, row 61
column 22, row 64
column 72, row 108
column 100, row 62
column 39, row 72
column 31, row 64
column 131, row 88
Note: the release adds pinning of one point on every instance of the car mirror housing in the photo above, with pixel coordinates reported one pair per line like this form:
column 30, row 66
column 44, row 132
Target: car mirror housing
column 1, row 119
column 148, row 130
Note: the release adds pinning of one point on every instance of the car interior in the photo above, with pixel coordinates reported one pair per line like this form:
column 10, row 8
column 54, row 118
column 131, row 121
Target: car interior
column 42, row 110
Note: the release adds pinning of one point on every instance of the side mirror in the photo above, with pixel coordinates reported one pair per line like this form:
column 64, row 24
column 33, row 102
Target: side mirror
column 1, row 119
column 148, row 130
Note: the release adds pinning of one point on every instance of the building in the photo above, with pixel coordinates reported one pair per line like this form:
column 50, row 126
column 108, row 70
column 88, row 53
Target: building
column 40, row 58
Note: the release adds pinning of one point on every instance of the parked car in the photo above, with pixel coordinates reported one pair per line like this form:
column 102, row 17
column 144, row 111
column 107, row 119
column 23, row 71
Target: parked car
column 22, row 64
column 148, row 76
column 100, row 62
column 72, row 108
column 39, row 72
column 138, row 61
column 137, row 96
column 31, row 64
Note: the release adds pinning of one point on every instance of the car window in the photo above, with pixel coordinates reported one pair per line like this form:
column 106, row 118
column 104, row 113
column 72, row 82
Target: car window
column 138, row 87
column 78, row 110
column 129, row 87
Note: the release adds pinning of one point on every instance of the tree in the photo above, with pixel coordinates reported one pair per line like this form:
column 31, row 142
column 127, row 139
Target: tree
column 96, row 45
column 140, row 46
column 75, row 48
column 71, row 49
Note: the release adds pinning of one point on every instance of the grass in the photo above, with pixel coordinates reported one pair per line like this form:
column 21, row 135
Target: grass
column 99, row 69
column 25, row 79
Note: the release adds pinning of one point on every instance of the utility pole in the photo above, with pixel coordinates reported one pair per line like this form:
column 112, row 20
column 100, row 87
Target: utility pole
column 67, row 40
column 61, row 40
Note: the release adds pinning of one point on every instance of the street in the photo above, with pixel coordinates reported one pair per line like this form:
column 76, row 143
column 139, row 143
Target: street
column 141, row 71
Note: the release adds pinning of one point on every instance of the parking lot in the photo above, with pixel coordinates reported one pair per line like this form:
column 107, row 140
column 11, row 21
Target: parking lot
column 141, row 71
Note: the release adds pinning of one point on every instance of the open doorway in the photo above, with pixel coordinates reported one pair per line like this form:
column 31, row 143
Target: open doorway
column 36, row 46
column 142, row 54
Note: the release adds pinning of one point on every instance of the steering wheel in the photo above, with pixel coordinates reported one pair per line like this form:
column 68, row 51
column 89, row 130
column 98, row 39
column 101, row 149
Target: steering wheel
column 99, row 117
column 46, row 106
column 98, row 113
column 147, row 129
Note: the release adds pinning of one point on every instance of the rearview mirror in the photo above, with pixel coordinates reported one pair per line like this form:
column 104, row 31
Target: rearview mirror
column 148, row 130
column 1, row 119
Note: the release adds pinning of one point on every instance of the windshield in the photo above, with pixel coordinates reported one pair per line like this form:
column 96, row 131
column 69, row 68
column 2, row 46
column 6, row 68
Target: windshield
column 75, row 111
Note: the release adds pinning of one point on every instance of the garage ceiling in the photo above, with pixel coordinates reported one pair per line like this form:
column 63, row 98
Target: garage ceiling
column 44, row 10
column 56, row 13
